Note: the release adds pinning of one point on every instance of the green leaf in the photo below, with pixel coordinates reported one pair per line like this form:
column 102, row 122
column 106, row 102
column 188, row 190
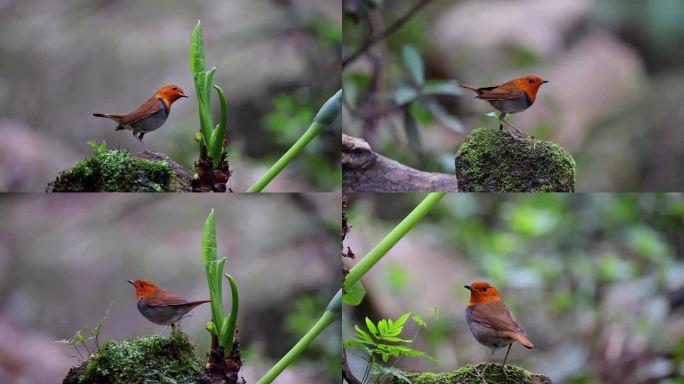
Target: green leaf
column 216, row 146
column 371, row 327
column 405, row 94
column 362, row 336
column 209, row 238
column 414, row 63
column 399, row 324
column 396, row 339
column 197, row 50
column 419, row 320
column 444, row 117
column 355, row 294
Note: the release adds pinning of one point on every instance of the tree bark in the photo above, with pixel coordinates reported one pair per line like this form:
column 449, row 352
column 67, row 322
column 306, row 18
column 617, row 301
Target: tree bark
column 364, row 170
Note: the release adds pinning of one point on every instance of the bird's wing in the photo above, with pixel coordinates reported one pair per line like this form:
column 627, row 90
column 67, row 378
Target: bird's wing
column 499, row 93
column 150, row 107
column 496, row 315
column 164, row 297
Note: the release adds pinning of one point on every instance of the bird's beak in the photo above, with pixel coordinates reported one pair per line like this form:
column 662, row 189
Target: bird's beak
column 183, row 95
column 468, row 287
column 131, row 281
column 544, row 81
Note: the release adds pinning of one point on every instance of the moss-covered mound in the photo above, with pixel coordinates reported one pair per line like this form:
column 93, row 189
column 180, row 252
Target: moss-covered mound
column 477, row 374
column 119, row 171
column 151, row 359
column 497, row 161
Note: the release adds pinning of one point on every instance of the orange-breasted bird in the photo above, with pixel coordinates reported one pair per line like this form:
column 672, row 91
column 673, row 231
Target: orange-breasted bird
column 149, row 116
column 490, row 320
column 161, row 306
column 511, row 97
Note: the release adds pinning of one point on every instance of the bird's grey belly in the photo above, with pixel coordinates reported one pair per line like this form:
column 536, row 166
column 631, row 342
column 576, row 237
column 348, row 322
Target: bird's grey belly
column 487, row 336
column 162, row 314
column 151, row 122
column 512, row 106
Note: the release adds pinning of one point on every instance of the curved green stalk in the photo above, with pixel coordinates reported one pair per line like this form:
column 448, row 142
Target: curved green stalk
column 325, row 116
column 392, row 238
column 332, row 313
column 228, row 328
column 216, row 143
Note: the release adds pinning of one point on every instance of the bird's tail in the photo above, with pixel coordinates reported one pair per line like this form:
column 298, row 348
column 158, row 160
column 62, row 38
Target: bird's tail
column 112, row 116
column 470, row 87
column 520, row 339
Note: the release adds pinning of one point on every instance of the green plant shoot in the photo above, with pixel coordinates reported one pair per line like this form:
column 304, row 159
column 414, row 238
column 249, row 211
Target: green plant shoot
column 221, row 325
column 325, row 116
column 211, row 136
column 382, row 341
column 330, row 315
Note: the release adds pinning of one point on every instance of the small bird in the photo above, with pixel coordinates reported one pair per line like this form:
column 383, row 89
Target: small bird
column 161, row 306
column 149, row 116
column 511, row 97
column 490, row 320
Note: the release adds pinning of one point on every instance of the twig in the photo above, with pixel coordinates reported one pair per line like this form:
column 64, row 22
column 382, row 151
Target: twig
column 385, row 33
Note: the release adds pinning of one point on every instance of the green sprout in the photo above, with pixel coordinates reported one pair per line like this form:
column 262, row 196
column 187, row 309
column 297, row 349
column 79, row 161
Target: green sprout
column 382, row 341
column 325, row 117
column 223, row 326
column 211, row 137
column 85, row 335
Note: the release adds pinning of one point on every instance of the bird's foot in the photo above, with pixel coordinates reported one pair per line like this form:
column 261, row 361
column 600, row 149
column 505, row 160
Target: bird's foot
column 480, row 374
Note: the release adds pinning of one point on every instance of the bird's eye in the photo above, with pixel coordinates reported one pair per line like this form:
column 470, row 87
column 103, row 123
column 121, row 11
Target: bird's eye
column 174, row 88
column 484, row 289
column 531, row 81
column 142, row 285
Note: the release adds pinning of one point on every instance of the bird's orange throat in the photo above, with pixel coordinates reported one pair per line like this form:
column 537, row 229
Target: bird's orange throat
column 481, row 299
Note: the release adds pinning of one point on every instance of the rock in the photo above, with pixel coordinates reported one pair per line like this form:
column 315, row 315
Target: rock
column 496, row 161
column 473, row 374
column 146, row 359
column 119, row 171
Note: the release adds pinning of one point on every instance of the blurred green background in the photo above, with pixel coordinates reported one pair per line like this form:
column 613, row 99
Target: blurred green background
column 63, row 60
column 615, row 69
column 65, row 259
column 597, row 280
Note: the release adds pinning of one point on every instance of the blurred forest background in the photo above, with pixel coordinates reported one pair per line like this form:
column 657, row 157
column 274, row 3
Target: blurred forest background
column 597, row 280
column 63, row 60
column 65, row 260
column 616, row 82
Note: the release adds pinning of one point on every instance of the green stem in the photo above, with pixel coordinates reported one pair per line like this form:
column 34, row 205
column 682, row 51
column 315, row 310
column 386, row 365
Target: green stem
column 392, row 238
column 326, row 115
column 229, row 332
column 332, row 313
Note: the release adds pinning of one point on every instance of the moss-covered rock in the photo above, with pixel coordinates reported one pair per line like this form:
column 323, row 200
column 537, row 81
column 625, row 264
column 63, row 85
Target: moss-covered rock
column 151, row 359
column 497, row 161
column 119, row 171
column 477, row 374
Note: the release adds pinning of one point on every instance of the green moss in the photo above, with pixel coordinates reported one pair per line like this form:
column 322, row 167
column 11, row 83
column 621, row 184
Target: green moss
column 117, row 171
column 496, row 161
column 473, row 374
column 151, row 359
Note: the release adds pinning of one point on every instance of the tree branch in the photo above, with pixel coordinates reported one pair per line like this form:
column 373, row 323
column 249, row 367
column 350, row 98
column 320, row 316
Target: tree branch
column 385, row 33
column 366, row 171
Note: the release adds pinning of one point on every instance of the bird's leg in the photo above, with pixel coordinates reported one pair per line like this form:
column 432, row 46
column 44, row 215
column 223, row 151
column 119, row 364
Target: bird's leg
column 503, row 366
column 513, row 126
column 502, row 118
column 140, row 137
